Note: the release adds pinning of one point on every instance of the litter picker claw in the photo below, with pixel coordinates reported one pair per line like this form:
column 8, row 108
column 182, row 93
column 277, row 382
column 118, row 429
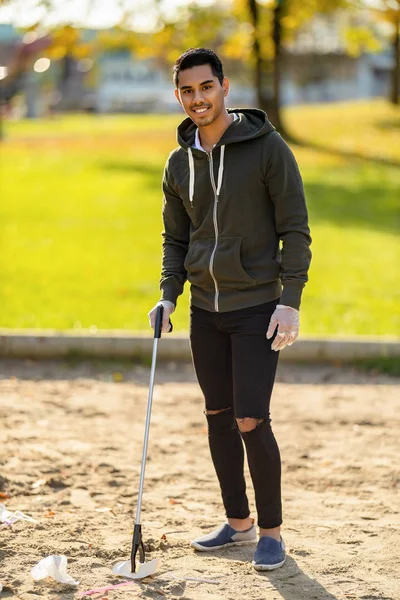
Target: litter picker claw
column 137, row 541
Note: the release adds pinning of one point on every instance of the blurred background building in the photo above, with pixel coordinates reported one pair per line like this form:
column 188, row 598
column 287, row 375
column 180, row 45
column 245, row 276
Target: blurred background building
column 339, row 55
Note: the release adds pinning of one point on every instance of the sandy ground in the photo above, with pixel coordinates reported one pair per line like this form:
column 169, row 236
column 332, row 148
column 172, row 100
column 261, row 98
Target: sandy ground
column 71, row 440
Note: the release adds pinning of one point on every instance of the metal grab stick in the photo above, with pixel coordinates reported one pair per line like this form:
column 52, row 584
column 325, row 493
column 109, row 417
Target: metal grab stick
column 137, row 542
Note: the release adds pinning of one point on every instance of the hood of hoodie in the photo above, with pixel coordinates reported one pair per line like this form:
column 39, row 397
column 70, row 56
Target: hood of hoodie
column 252, row 123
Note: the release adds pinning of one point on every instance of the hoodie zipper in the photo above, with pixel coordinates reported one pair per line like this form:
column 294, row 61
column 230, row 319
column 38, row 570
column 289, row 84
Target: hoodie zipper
column 210, row 161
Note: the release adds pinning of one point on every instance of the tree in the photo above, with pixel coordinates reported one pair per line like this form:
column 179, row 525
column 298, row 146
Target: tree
column 194, row 26
column 274, row 23
column 384, row 21
column 270, row 103
column 389, row 12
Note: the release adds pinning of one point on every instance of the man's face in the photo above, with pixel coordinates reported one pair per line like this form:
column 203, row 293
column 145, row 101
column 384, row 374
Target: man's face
column 201, row 94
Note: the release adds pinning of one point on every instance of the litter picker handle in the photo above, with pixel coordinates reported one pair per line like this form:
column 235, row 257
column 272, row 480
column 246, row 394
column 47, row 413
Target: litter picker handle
column 159, row 319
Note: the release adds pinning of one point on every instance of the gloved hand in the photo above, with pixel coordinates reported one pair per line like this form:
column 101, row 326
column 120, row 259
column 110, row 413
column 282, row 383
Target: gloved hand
column 169, row 308
column 288, row 321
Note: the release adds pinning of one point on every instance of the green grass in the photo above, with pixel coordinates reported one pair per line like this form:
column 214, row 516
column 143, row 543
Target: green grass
column 80, row 219
column 388, row 365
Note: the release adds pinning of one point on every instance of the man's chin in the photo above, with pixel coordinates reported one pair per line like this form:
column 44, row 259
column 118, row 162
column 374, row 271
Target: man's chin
column 203, row 122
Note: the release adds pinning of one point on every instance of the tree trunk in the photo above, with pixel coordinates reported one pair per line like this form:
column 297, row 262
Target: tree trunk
column 395, row 88
column 271, row 104
column 276, row 36
column 258, row 66
column 31, row 91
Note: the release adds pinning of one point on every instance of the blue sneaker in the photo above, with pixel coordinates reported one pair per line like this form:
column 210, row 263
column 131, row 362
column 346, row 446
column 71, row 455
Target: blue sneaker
column 269, row 555
column 223, row 537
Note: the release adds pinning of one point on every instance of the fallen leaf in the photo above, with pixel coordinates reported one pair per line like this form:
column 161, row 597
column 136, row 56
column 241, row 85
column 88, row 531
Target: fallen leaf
column 172, row 501
column 50, row 513
column 4, row 495
column 117, row 377
column 164, row 537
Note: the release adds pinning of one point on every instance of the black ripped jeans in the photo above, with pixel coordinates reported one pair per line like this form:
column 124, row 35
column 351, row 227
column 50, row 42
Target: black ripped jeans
column 236, row 369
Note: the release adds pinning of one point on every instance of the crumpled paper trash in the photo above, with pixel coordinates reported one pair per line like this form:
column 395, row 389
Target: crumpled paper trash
column 53, row 566
column 8, row 517
column 123, row 569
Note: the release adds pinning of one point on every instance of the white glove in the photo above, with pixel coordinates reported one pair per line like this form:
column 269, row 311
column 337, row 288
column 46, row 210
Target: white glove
column 288, row 321
column 169, row 308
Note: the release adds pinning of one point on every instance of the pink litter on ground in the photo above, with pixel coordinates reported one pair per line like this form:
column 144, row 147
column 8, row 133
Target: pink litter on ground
column 105, row 589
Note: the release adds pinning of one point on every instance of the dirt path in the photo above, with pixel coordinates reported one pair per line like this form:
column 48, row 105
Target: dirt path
column 71, row 439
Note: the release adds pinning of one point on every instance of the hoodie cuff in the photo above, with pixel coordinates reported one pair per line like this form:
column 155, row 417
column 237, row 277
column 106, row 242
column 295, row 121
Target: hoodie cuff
column 170, row 292
column 291, row 294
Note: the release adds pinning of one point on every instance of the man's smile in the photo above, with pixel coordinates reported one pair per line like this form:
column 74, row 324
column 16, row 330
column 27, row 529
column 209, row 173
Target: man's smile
column 200, row 110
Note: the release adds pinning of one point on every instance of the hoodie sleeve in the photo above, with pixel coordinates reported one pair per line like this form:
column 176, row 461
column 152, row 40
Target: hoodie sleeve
column 175, row 243
column 286, row 190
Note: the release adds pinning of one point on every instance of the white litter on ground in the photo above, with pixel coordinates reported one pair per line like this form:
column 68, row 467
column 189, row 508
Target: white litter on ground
column 8, row 517
column 123, row 569
column 53, row 566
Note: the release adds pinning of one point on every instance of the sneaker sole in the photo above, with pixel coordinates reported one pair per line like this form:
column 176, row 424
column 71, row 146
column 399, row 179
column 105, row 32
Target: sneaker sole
column 201, row 548
column 268, row 567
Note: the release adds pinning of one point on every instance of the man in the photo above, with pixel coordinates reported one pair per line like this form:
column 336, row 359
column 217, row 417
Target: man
column 232, row 193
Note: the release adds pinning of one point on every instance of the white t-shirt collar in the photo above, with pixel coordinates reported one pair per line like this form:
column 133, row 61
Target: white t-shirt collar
column 197, row 143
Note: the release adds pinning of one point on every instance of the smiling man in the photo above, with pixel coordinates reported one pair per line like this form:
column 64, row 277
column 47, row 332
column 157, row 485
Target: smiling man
column 235, row 225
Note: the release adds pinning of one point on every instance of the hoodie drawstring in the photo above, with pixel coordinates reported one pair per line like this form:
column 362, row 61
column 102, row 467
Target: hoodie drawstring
column 192, row 173
column 220, row 170
column 191, row 177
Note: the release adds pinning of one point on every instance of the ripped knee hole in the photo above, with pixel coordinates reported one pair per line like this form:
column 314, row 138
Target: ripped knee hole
column 247, row 424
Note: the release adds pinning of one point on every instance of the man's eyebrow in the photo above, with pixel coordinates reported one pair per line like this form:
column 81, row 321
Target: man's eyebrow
column 188, row 87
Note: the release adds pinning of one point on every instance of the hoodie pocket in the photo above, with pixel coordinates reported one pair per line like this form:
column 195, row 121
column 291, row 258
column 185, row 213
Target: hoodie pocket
column 197, row 263
column 228, row 269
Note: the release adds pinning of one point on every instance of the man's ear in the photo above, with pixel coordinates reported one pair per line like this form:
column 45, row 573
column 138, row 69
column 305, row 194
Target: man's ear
column 225, row 85
column 177, row 96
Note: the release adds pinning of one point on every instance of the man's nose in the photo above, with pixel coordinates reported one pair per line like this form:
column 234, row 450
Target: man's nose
column 198, row 97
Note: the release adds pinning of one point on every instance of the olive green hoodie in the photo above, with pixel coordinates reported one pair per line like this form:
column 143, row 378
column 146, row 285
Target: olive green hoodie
column 224, row 214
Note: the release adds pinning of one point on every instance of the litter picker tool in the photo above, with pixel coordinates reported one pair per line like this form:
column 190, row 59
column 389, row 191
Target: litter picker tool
column 128, row 568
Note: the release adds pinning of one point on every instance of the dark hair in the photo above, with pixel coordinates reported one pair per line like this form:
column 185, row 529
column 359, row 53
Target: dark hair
column 195, row 57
